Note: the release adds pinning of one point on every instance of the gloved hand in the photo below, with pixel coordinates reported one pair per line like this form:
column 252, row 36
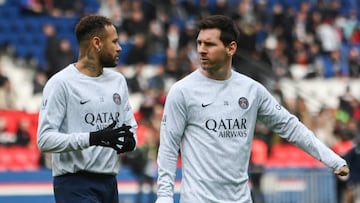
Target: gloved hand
column 121, row 139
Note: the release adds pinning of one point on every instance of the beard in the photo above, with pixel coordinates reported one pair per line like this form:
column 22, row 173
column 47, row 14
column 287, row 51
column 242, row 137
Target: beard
column 107, row 60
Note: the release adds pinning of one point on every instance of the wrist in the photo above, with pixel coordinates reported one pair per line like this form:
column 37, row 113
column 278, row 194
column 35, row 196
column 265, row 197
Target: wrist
column 94, row 139
column 87, row 138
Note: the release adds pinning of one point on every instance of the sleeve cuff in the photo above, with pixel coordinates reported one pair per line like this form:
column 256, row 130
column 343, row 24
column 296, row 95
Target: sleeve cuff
column 164, row 200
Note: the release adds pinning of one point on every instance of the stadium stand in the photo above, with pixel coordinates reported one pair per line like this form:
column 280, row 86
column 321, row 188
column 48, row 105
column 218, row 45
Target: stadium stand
column 20, row 158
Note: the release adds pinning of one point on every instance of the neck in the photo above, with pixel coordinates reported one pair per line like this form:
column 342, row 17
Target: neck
column 219, row 74
column 89, row 68
column 88, row 62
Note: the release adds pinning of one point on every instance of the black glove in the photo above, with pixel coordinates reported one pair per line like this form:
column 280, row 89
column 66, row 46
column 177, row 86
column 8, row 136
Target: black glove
column 121, row 139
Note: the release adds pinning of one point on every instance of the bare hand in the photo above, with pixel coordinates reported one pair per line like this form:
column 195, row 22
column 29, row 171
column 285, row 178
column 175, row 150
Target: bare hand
column 343, row 171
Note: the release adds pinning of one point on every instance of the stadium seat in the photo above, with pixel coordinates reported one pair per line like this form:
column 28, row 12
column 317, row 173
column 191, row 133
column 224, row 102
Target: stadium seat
column 11, row 120
column 92, row 6
column 5, row 161
column 40, row 57
column 9, row 12
column 3, row 39
column 23, row 51
column 33, row 25
column 64, row 25
column 125, row 47
column 289, row 155
column 25, row 39
column 5, row 26
column 157, row 58
column 15, row 158
column 18, row 26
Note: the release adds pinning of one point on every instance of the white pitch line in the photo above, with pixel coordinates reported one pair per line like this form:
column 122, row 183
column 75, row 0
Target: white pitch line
column 25, row 189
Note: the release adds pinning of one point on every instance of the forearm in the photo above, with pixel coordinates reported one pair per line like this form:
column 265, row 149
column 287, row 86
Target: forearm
column 167, row 163
column 165, row 200
column 304, row 138
column 52, row 141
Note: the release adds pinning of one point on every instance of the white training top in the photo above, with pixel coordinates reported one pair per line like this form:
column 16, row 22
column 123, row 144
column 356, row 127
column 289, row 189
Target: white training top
column 74, row 105
column 213, row 124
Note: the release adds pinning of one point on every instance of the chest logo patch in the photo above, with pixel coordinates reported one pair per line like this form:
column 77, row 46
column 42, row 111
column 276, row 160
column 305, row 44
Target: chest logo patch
column 117, row 98
column 243, row 103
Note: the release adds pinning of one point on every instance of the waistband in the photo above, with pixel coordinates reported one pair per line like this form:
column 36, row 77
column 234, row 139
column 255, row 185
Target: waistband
column 89, row 174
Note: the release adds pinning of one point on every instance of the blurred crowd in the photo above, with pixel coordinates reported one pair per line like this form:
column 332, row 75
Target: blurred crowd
column 296, row 40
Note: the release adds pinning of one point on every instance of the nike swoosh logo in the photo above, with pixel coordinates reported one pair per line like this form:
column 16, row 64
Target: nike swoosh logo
column 205, row 105
column 84, row 101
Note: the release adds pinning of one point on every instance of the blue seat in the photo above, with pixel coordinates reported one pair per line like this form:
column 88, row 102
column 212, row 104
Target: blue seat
column 91, row 6
column 70, row 36
column 291, row 4
column 125, row 47
column 39, row 39
column 9, row 12
column 24, row 39
column 38, row 53
column 61, row 24
column 3, row 39
column 71, row 23
column 22, row 51
column 18, row 26
column 4, row 26
column 12, row 39
column 157, row 58
column 328, row 67
column 12, row 3
column 33, row 25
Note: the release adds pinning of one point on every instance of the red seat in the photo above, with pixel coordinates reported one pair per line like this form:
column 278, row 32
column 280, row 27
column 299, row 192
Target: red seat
column 289, row 155
column 17, row 158
column 5, row 160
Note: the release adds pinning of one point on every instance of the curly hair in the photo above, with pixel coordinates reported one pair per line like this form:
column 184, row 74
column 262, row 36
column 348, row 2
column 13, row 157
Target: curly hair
column 90, row 26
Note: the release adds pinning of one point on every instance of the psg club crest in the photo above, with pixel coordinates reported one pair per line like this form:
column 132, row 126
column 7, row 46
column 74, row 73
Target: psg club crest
column 117, row 98
column 243, row 103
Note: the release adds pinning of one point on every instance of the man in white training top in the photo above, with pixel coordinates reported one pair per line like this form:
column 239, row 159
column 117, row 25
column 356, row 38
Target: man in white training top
column 86, row 119
column 210, row 117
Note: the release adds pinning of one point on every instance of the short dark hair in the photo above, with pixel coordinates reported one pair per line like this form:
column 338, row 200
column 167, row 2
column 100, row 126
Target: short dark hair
column 90, row 26
column 228, row 28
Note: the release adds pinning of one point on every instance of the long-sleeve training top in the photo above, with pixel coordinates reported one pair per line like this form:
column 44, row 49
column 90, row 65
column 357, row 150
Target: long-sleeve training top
column 73, row 106
column 212, row 122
